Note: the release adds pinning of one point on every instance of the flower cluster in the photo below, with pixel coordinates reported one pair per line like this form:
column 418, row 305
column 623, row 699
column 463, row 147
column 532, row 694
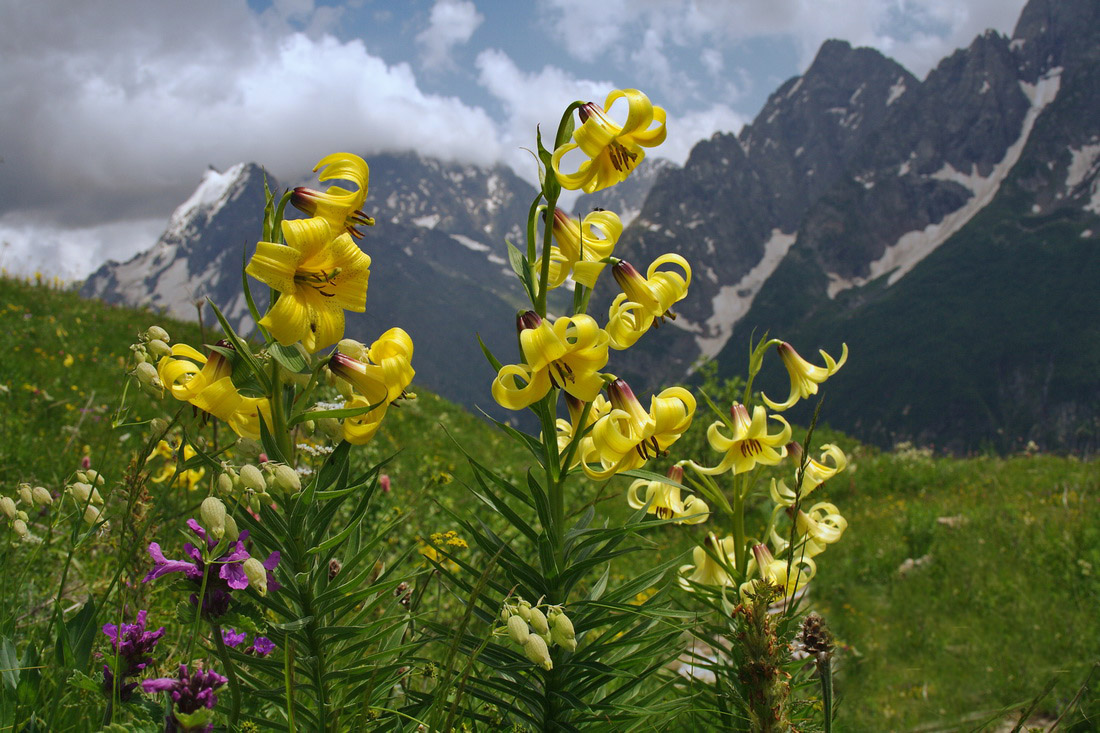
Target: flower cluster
column 744, row 441
column 193, row 698
column 235, row 568
column 133, row 648
column 261, row 646
column 536, row 631
column 29, row 498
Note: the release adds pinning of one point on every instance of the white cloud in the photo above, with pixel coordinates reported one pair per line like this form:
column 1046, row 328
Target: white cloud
column 130, row 104
column 28, row 246
column 452, row 22
column 918, row 33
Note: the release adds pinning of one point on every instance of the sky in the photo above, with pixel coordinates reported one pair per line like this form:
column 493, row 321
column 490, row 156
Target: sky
column 111, row 110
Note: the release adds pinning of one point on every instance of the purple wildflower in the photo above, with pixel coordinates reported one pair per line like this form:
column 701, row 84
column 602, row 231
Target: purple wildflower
column 261, row 646
column 230, row 575
column 232, row 638
column 133, row 647
column 192, row 696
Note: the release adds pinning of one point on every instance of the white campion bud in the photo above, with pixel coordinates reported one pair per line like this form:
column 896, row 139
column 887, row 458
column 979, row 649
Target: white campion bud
column 286, row 478
column 212, row 512
column 225, row 483
column 536, row 650
column 249, row 448
column 252, row 478
column 538, row 621
column 91, row 514
column 7, row 506
column 156, row 333
column 25, row 494
column 158, row 425
column 524, row 610
column 20, row 528
column 158, row 348
column 20, row 514
column 331, row 428
column 146, row 373
column 81, row 491
column 517, row 629
column 561, row 631
column 231, row 532
column 93, row 477
column 41, row 496
column 257, row 575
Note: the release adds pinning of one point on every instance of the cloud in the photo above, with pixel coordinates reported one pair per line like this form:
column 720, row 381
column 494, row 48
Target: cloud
column 452, row 22
column 918, row 33
column 28, row 245
column 114, row 109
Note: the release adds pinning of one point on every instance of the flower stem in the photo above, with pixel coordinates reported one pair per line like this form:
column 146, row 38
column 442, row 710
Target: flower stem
column 288, row 681
column 740, row 558
column 231, row 673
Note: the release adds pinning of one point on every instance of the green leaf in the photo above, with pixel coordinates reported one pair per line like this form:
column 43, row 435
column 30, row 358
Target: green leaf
column 521, row 267
column 242, row 349
column 81, row 630
column 296, row 625
column 293, row 358
column 9, row 665
column 489, row 355
column 340, row 413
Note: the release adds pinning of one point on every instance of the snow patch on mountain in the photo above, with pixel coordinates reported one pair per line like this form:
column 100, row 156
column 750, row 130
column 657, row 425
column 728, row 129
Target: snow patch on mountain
column 468, row 243
column 212, row 193
column 1082, row 164
column 733, row 301
column 912, row 247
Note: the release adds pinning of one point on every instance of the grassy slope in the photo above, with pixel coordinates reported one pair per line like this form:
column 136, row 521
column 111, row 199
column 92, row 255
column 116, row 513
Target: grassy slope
column 1004, row 601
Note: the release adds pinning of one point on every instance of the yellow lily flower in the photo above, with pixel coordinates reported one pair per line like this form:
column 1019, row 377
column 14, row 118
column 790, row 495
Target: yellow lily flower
column 613, row 150
column 816, row 473
column 566, row 429
column 360, row 429
column 664, row 499
column 707, row 570
column 188, row 479
column 749, row 444
column 318, row 277
column 645, row 300
column 804, row 376
column 383, row 372
column 338, row 206
column 627, row 436
column 567, row 355
column 788, row 577
column 210, row 388
column 817, row 528
column 582, row 245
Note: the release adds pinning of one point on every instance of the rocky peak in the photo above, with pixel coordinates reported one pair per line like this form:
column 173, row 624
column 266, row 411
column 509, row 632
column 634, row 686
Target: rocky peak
column 1053, row 33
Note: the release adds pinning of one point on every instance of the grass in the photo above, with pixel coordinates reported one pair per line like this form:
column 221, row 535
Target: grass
column 1000, row 594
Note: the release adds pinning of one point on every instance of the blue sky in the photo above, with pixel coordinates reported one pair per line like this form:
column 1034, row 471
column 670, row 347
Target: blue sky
column 111, row 111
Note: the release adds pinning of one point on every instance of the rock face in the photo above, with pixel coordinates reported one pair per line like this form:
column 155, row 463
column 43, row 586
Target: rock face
column 946, row 229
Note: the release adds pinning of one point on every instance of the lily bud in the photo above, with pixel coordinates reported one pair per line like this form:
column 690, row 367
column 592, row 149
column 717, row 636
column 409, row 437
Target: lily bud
column 257, row 575
column 212, row 513
column 252, row 478
column 286, row 478
column 156, row 333
column 517, row 629
column 25, row 494
column 538, row 621
column 7, row 506
column 536, row 650
column 527, row 320
column 41, row 496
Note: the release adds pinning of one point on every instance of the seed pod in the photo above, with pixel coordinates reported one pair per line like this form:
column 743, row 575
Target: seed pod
column 156, row 333
column 286, row 478
column 41, row 496
column 93, row 477
column 536, row 650
column 231, row 532
column 562, row 633
column 252, row 478
column 212, row 513
column 146, row 373
column 517, row 629
column 524, row 610
column 538, row 621
column 225, row 483
column 257, row 575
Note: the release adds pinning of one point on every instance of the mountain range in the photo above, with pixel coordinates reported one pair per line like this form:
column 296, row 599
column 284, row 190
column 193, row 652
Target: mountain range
column 947, row 229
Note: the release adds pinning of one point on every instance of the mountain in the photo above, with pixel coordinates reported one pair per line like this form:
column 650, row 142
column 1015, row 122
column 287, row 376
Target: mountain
column 947, row 229
column 438, row 260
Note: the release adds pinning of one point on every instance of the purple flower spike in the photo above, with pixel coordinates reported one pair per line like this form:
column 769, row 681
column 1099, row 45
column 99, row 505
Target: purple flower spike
column 232, row 638
column 230, row 575
column 190, row 693
column 133, row 647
